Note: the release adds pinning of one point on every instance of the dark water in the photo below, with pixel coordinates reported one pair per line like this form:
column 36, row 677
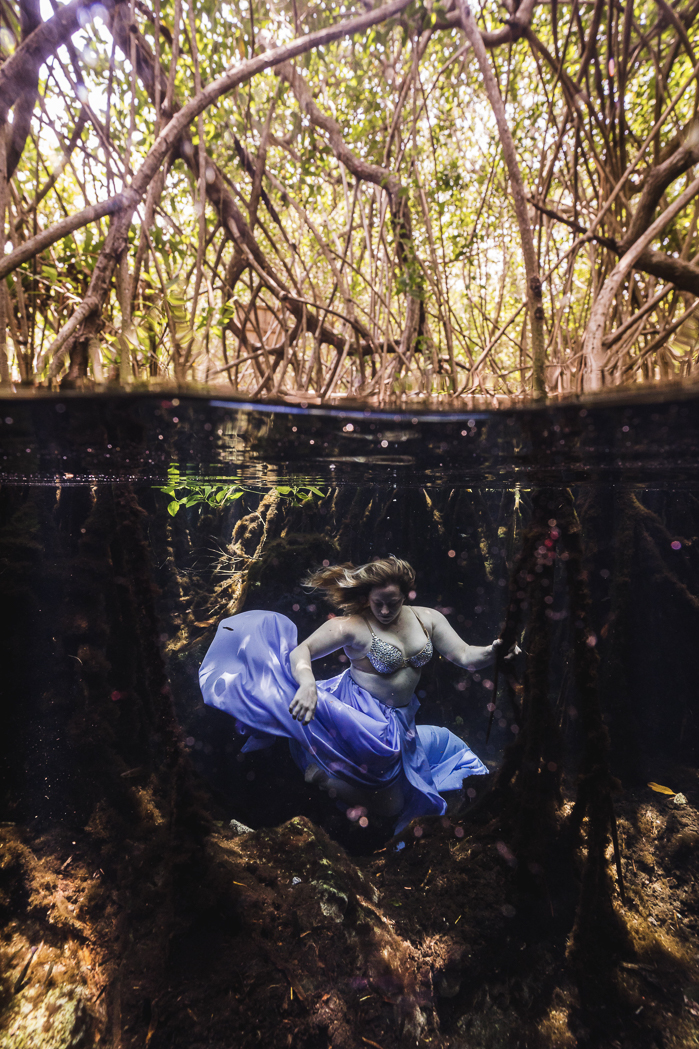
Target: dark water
column 455, row 494
column 572, row 530
column 137, row 437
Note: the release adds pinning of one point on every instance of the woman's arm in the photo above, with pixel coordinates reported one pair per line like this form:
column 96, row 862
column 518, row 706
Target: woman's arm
column 336, row 633
column 452, row 647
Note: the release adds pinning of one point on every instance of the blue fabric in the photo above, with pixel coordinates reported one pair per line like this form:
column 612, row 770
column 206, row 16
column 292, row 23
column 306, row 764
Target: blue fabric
column 247, row 673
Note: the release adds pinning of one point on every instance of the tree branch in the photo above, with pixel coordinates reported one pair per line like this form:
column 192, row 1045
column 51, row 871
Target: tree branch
column 20, row 70
column 49, row 236
column 367, row 172
column 655, row 182
column 247, row 251
column 594, row 334
column 531, row 265
column 30, row 18
column 511, row 32
column 118, row 230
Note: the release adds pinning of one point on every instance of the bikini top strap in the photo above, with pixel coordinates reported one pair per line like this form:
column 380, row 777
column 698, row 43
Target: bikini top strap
column 420, row 622
column 369, row 625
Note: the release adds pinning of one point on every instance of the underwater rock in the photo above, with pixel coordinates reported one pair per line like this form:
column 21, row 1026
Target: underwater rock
column 236, row 828
column 679, row 801
column 489, row 1027
column 333, row 903
column 447, row 966
column 58, row 1021
column 319, row 928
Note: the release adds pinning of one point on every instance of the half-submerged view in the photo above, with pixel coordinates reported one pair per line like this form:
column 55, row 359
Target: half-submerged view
column 349, row 524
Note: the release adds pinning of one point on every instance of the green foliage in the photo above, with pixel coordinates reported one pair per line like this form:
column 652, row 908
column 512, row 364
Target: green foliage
column 184, row 491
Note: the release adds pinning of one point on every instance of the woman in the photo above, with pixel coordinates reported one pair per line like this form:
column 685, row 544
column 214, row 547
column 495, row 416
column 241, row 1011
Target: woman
column 353, row 735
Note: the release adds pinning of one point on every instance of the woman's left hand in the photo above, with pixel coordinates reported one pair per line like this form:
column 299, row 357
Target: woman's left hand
column 515, row 650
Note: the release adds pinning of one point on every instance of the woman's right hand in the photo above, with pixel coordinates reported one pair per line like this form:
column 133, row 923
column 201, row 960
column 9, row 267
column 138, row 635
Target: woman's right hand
column 303, row 705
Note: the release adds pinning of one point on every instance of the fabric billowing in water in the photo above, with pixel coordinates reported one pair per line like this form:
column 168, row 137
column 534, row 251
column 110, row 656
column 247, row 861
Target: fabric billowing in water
column 247, row 673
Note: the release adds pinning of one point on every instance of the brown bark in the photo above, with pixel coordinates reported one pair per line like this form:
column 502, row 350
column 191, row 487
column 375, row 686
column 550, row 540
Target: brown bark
column 49, row 236
column 657, row 180
column 682, row 274
column 30, row 19
column 512, row 31
column 77, row 368
column 19, row 72
column 594, row 352
column 519, row 199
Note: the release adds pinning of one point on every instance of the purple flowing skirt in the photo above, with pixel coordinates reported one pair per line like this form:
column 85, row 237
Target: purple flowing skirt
column 354, row 736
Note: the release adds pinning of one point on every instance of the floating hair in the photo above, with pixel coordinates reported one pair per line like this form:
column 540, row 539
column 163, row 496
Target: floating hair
column 347, row 586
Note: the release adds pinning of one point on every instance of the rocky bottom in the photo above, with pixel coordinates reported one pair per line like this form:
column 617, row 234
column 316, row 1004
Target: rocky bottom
column 278, row 938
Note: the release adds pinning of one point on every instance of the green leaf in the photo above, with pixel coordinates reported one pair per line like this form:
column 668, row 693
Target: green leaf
column 173, row 507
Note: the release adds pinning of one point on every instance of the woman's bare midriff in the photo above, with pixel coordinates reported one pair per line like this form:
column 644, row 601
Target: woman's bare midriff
column 395, row 690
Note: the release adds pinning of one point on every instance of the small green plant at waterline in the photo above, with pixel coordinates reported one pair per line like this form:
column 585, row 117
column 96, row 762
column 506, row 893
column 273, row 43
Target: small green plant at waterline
column 184, row 492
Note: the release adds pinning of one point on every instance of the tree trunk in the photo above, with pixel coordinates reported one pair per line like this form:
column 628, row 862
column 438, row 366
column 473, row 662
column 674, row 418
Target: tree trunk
column 519, row 198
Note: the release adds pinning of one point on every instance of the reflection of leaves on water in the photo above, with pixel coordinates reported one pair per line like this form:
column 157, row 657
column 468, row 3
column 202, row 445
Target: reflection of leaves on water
column 218, row 495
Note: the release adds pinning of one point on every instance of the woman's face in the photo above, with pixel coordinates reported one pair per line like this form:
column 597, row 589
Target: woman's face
column 386, row 602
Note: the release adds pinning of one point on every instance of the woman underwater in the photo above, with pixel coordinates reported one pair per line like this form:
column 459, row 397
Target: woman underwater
column 353, row 735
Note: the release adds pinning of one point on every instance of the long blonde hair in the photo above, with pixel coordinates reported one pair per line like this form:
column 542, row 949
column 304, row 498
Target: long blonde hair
column 347, row 586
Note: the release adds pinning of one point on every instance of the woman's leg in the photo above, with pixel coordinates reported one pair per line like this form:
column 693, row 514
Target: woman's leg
column 389, row 801
column 385, row 802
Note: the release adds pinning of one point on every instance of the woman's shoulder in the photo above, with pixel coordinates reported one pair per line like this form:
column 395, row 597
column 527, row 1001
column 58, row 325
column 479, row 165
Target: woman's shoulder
column 429, row 617
column 355, row 630
column 355, row 621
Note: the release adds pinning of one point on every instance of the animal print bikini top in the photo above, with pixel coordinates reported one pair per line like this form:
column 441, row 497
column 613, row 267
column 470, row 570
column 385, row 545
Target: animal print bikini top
column 386, row 658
